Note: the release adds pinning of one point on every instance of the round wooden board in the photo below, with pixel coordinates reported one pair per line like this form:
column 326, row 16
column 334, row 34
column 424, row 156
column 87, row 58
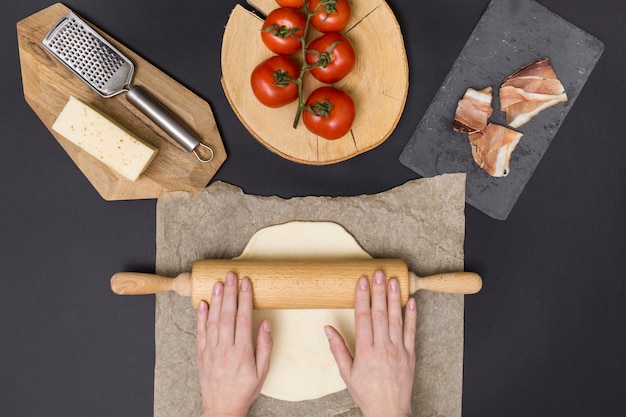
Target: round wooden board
column 378, row 84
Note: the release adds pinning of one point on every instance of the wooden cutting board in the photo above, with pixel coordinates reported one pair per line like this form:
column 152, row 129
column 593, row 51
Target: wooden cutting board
column 48, row 85
column 378, row 84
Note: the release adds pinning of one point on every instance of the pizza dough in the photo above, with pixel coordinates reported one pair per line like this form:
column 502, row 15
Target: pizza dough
column 302, row 367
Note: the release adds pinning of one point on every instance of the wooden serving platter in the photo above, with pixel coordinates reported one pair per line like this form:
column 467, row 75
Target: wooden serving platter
column 378, row 84
column 48, row 85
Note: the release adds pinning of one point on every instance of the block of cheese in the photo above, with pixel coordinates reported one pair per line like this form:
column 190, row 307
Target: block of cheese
column 103, row 139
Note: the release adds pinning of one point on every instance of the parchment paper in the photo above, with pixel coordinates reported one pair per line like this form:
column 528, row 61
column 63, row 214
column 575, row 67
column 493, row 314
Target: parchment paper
column 422, row 222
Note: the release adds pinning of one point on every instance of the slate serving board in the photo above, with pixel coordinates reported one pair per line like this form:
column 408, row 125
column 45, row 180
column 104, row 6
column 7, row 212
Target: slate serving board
column 509, row 35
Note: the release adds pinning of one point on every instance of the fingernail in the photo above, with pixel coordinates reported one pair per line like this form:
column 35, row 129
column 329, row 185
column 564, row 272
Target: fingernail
column 379, row 277
column 411, row 304
column 267, row 327
column 364, row 283
column 245, row 284
column 329, row 333
column 217, row 288
column 230, row 279
column 393, row 285
column 203, row 306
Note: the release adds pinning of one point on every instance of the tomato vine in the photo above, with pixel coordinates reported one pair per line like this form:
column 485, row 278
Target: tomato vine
column 324, row 58
column 328, row 58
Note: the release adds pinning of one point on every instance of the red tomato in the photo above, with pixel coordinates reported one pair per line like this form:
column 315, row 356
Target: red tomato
column 272, row 81
column 294, row 4
column 282, row 30
column 329, row 113
column 335, row 56
column 333, row 15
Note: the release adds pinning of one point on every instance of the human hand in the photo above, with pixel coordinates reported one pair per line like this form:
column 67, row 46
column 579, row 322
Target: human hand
column 380, row 376
column 231, row 373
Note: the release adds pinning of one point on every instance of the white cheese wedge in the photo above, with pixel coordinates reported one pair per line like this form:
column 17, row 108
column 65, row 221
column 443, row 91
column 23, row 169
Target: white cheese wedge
column 103, row 139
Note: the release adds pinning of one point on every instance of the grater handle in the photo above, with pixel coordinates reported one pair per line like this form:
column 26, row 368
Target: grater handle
column 164, row 118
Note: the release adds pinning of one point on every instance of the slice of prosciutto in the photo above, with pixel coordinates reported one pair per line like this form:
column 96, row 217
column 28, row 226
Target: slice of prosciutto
column 529, row 90
column 473, row 110
column 492, row 148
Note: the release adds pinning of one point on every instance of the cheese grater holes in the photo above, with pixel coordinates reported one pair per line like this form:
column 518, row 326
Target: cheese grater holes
column 84, row 51
column 86, row 54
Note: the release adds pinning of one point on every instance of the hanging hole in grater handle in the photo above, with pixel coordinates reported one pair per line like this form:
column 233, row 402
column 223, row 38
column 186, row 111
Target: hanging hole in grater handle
column 199, row 154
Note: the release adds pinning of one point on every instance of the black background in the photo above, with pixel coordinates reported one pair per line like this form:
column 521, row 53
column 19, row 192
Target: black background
column 546, row 336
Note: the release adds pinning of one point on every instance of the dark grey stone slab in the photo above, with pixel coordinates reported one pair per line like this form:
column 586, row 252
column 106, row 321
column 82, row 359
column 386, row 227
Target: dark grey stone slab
column 509, row 35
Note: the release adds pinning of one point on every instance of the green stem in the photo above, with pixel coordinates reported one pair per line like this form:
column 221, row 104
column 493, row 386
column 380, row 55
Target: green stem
column 303, row 66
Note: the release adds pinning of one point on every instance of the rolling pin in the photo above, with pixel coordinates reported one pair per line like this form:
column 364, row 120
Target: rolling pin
column 293, row 284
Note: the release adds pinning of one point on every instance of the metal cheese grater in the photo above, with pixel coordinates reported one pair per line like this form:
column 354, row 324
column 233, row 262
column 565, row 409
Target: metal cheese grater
column 106, row 70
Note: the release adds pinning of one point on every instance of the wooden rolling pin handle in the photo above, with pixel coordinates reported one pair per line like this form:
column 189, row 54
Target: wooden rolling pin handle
column 451, row 282
column 136, row 283
column 294, row 284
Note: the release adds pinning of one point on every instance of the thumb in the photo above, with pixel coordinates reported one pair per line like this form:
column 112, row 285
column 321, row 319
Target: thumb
column 340, row 352
column 263, row 348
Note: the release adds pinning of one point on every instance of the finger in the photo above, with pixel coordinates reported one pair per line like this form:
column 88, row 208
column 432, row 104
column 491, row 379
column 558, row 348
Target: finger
column 340, row 352
column 394, row 311
column 362, row 314
column 215, row 309
column 229, row 310
column 201, row 326
column 264, row 345
column 410, row 325
column 243, row 327
column 380, row 320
